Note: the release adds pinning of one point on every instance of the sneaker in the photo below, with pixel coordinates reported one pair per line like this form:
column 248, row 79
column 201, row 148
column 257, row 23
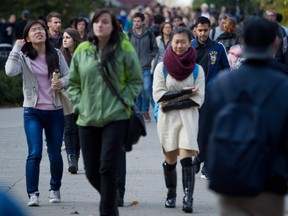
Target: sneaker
column 33, row 199
column 146, row 117
column 54, row 196
column 204, row 176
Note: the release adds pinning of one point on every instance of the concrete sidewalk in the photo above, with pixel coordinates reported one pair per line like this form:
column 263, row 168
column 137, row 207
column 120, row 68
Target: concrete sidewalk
column 145, row 188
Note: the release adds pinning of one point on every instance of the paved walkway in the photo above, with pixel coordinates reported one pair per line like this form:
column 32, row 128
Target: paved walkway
column 145, row 189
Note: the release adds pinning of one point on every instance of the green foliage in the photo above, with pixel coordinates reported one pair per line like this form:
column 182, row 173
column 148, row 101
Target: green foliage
column 281, row 6
column 10, row 90
column 67, row 8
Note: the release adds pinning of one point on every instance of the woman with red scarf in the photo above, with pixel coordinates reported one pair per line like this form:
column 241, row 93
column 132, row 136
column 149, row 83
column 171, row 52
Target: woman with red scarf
column 180, row 94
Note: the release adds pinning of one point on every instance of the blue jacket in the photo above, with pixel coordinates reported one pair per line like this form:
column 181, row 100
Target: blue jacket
column 212, row 61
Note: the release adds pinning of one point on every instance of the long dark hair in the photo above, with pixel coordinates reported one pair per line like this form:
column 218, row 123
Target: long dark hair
column 74, row 34
column 51, row 56
column 108, row 53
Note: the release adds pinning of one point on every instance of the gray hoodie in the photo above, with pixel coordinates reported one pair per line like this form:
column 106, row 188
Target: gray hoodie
column 18, row 63
column 142, row 45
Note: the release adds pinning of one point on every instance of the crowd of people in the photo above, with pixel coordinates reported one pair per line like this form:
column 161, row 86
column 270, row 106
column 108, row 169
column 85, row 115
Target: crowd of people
column 156, row 57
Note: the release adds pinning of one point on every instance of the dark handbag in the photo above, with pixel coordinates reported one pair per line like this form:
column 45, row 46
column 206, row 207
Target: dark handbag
column 136, row 127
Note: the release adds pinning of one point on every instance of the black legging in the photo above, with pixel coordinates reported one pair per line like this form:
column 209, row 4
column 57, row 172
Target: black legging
column 71, row 137
column 101, row 148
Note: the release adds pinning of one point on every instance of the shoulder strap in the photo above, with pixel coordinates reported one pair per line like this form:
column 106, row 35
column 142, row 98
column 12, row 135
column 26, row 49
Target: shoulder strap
column 195, row 72
column 165, row 72
column 106, row 79
column 150, row 38
column 213, row 33
column 284, row 48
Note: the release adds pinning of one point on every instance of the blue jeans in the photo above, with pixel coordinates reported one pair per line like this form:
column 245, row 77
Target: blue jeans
column 143, row 100
column 52, row 121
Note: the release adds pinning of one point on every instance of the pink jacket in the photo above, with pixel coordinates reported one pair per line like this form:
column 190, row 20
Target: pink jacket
column 233, row 55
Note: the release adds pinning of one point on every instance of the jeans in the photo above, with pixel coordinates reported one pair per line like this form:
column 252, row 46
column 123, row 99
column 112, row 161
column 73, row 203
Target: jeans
column 143, row 100
column 52, row 121
column 101, row 149
column 71, row 137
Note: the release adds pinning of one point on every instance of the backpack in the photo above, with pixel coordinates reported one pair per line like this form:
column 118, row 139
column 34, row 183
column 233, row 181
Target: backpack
column 238, row 152
column 156, row 106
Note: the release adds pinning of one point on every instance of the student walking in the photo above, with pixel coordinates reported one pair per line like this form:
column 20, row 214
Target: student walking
column 102, row 118
column 146, row 48
column 36, row 58
column 54, row 24
column 180, row 94
column 260, row 99
column 213, row 58
column 71, row 39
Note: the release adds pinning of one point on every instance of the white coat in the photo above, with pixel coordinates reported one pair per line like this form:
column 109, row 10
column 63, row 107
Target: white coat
column 178, row 128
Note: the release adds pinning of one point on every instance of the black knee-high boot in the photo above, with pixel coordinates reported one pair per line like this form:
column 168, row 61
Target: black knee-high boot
column 188, row 180
column 170, row 175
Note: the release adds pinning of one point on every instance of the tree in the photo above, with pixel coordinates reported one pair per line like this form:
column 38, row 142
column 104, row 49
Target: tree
column 67, row 8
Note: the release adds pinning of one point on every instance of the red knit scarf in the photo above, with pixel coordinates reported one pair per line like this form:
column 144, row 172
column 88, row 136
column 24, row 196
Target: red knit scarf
column 179, row 66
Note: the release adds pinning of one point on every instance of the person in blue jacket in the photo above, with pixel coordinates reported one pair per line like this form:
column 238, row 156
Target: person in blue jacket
column 212, row 56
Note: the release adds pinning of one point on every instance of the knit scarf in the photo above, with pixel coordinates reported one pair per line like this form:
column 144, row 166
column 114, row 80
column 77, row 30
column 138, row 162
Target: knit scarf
column 179, row 66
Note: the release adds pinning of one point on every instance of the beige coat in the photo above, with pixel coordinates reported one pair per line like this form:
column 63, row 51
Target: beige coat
column 178, row 128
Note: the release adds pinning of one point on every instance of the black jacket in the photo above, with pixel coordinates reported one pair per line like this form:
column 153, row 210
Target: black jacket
column 249, row 76
column 282, row 56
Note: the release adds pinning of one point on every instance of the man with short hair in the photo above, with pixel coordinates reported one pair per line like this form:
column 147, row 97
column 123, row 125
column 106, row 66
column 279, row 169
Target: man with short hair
column 210, row 54
column 54, row 24
column 146, row 47
column 213, row 58
column 252, row 79
column 176, row 20
column 155, row 27
column 218, row 30
column 271, row 15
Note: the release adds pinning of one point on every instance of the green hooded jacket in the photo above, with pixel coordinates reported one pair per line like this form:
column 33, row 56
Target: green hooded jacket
column 89, row 94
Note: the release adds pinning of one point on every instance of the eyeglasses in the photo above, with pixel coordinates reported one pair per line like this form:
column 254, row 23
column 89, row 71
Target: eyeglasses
column 33, row 30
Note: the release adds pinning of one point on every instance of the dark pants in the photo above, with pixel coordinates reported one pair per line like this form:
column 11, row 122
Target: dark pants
column 101, row 148
column 71, row 137
column 122, row 173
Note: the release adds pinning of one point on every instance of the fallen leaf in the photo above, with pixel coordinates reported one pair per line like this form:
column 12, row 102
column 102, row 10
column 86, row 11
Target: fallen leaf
column 135, row 202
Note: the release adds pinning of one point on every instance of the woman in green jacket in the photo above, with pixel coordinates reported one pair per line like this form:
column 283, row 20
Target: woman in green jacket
column 103, row 119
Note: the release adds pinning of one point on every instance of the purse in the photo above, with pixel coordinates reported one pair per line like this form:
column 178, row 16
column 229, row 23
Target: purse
column 136, row 125
column 66, row 104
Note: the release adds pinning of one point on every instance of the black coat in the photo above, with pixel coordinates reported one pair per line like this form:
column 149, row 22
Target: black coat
column 281, row 57
column 249, row 76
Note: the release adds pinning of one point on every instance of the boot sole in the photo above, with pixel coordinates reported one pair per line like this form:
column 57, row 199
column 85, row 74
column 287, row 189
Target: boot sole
column 72, row 170
column 188, row 210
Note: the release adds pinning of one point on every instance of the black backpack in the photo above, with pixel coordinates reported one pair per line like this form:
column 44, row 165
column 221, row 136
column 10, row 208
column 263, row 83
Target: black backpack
column 238, row 153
